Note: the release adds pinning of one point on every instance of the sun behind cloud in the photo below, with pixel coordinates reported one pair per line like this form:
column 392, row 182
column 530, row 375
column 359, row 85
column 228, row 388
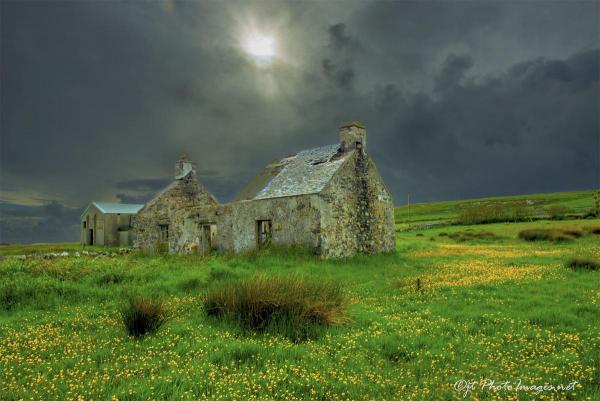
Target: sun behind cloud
column 259, row 46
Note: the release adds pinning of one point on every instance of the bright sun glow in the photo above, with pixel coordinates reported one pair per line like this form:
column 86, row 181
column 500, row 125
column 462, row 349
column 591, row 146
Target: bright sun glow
column 260, row 46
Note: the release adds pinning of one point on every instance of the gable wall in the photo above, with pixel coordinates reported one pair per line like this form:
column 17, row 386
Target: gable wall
column 380, row 208
column 182, row 194
column 98, row 229
column 359, row 212
column 338, row 221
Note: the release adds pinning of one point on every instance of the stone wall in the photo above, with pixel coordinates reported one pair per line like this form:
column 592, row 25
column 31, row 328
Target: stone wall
column 182, row 194
column 190, row 238
column 359, row 212
column 380, row 206
column 295, row 222
column 338, row 221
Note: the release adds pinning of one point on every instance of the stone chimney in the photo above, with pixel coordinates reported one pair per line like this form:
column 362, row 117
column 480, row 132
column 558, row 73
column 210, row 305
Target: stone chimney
column 353, row 135
column 183, row 167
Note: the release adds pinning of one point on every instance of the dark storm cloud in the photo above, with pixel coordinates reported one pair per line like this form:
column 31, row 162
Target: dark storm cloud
column 453, row 72
column 460, row 99
column 522, row 131
column 144, row 184
column 208, row 173
column 139, row 199
column 27, row 224
column 338, row 37
column 342, row 77
column 338, row 69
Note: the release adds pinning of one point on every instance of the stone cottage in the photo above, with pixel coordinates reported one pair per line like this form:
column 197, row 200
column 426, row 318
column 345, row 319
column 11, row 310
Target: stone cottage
column 330, row 199
column 157, row 224
column 105, row 223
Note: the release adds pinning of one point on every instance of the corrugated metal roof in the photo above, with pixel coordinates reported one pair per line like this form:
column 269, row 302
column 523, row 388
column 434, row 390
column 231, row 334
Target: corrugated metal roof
column 109, row 207
column 307, row 172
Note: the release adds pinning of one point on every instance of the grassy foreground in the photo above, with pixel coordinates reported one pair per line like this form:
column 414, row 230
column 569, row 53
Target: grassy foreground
column 486, row 307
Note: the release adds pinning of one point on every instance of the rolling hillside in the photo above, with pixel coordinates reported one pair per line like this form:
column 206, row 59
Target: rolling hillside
column 574, row 203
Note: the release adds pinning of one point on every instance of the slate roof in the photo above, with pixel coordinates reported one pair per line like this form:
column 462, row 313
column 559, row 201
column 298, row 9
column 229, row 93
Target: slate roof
column 109, row 207
column 307, row 172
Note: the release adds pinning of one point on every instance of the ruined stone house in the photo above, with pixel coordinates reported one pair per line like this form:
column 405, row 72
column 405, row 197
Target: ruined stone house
column 330, row 199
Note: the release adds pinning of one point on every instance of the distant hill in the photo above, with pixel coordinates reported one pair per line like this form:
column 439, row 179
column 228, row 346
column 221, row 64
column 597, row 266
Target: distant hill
column 573, row 203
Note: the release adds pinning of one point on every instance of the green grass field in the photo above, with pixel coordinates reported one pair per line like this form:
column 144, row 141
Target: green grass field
column 575, row 203
column 17, row 249
column 488, row 307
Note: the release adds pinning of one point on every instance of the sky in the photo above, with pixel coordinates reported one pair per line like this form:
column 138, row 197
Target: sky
column 461, row 99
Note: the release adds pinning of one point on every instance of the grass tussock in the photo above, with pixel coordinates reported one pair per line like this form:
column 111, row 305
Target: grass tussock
column 592, row 230
column 143, row 315
column 579, row 263
column 221, row 274
column 462, row 236
column 550, row 234
column 190, row 284
column 292, row 306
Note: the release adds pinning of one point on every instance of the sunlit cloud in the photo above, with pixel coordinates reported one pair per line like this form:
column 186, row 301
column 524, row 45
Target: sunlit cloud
column 260, row 46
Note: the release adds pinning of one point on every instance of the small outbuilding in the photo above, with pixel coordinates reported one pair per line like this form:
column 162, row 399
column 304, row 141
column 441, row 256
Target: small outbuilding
column 104, row 223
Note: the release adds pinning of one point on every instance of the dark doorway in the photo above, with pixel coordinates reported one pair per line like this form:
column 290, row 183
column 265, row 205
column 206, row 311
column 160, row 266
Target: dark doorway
column 208, row 237
column 162, row 244
column 264, row 233
column 163, row 232
column 91, row 238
